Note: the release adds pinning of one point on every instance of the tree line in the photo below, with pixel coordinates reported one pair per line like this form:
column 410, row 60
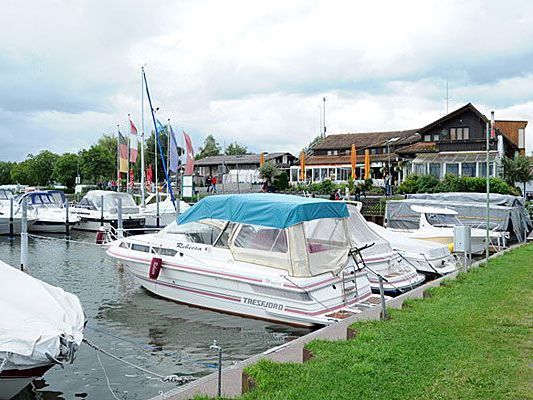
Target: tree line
column 98, row 163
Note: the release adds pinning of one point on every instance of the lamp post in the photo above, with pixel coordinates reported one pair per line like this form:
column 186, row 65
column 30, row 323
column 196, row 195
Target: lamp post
column 391, row 140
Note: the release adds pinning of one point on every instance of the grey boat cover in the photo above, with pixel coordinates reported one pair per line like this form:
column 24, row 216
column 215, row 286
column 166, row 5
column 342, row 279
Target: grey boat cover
column 507, row 213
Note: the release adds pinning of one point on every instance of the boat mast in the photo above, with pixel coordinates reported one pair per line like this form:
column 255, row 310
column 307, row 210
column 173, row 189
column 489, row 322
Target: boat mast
column 118, row 158
column 143, row 202
column 168, row 153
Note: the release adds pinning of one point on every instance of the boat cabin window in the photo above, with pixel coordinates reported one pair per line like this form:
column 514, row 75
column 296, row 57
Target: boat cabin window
column 88, row 204
column 223, row 240
column 443, row 220
column 5, row 194
column 164, row 251
column 325, row 234
column 140, row 247
column 262, row 238
column 124, row 245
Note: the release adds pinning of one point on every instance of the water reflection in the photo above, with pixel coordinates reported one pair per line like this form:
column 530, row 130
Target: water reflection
column 157, row 334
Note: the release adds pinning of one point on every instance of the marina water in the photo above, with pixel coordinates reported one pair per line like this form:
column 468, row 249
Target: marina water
column 159, row 335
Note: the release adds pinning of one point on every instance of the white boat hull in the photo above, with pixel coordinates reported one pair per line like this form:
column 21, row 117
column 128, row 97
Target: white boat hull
column 251, row 297
column 51, row 227
column 4, row 226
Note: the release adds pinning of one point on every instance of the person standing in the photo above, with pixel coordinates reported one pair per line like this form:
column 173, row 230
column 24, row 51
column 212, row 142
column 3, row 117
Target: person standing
column 214, row 184
column 208, row 182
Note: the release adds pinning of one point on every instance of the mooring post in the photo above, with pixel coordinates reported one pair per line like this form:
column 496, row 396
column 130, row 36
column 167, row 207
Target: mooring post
column 382, row 294
column 214, row 346
column 11, row 232
column 157, row 207
column 67, row 226
column 24, row 235
column 120, row 232
column 102, row 210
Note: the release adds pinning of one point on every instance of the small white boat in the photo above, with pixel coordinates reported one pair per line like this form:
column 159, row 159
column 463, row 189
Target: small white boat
column 99, row 208
column 380, row 258
column 427, row 257
column 49, row 217
column 167, row 210
column 41, row 326
column 437, row 225
column 268, row 256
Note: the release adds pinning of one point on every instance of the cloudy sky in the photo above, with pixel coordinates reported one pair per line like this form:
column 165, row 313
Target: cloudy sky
column 256, row 71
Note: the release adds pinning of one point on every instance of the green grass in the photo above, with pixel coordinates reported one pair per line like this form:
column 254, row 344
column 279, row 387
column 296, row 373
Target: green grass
column 472, row 339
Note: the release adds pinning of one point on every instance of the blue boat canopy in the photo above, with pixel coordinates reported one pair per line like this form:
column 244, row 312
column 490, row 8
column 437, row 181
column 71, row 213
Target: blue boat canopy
column 266, row 209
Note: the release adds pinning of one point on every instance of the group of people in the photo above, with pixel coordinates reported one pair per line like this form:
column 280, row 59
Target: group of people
column 211, row 183
column 109, row 185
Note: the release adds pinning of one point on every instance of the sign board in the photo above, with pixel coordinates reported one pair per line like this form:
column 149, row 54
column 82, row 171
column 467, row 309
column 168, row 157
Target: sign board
column 188, row 186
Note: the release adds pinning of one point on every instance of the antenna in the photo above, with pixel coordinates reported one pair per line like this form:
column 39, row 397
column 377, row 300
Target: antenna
column 324, row 117
column 447, row 98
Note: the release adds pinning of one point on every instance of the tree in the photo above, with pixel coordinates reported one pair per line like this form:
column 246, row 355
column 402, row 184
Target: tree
column 517, row 170
column 313, row 143
column 20, row 173
column 97, row 163
column 66, row 169
column 5, row 172
column 211, row 148
column 40, row 167
column 269, row 171
column 235, row 149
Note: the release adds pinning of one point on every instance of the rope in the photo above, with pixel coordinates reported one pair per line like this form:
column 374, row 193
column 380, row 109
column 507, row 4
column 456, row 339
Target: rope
column 62, row 240
column 106, row 377
column 168, row 378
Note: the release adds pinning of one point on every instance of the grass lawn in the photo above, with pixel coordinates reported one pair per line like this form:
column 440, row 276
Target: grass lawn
column 472, row 339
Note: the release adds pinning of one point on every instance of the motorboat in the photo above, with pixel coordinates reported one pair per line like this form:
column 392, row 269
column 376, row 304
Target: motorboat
column 268, row 256
column 49, row 217
column 427, row 257
column 380, row 259
column 167, row 210
column 99, row 208
column 437, row 225
column 41, row 326
column 5, row 197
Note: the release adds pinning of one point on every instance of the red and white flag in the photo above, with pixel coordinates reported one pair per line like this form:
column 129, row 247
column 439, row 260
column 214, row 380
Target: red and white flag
column 134, row 143
column 189, row 152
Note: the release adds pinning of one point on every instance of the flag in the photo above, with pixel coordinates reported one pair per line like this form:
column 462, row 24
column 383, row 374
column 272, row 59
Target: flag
column 134, row 143
column 175, row 152
column 123, row 152
column 149, row 174
column 189, row 152
column 302, row 166
column 353, row 157
column 131, row 177
column 367, row 164
column 261, row 159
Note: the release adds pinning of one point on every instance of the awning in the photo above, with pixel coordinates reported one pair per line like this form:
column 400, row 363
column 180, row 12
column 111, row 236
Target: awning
column 454, row 157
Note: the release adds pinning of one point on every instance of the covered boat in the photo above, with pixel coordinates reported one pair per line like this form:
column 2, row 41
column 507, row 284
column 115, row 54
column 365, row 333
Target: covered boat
column 41, row 326
column 100, row 208
column 380, row 258
column 269, row 256
column 427, row 257
column 167, row 210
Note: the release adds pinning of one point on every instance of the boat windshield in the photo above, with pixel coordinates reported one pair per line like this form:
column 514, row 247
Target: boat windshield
column 39, row 199
column 196, row 232
column 442, row 220
column 5, row 194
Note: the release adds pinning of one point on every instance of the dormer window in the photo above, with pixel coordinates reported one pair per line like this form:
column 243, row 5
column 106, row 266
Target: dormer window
column 459, row 133
column 333, row 152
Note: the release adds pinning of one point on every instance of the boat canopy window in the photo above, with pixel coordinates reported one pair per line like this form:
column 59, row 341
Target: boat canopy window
column 140, row 247
column 88, row 204
column 153, row 198
column 361, row 235
column 262, row 238
column 443, row 220
column 38, row 199
column 111, row 202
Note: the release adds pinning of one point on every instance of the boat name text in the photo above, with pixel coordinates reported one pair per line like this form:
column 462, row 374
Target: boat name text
column 188, row 246
column 262, row 303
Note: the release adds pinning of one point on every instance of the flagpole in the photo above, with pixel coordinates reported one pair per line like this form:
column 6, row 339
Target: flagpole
column 143, row 202
column 129, row 159
column 118, row 158
column 168, row 155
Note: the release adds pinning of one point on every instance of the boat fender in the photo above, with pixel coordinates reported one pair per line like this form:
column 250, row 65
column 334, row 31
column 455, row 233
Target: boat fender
column 155, row 267
column 100, row 236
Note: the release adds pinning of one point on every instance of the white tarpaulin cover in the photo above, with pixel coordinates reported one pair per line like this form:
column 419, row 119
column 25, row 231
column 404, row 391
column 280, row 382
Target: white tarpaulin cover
column 34, row 315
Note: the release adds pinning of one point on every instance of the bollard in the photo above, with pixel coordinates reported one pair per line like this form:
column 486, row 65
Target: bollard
column 11, row 218
column 120, row 232
column 102, row 211
column 382, row 294
column 24, row 235
column 214, row 346
column 67, row 227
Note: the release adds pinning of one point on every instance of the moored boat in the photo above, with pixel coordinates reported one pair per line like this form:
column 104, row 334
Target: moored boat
column 99, row 208
column 274, row 257
column 41, row 326
column 167, row 210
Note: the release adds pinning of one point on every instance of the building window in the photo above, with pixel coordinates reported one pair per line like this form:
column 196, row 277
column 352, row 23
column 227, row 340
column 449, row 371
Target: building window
column 468, row 169
column 333, row 152
column 427, row 138
column 436, row 138
column 452, row 169
column 372, row 151
column 483, row 169
column 419, row 169
column 459, row 133
column 434, row 169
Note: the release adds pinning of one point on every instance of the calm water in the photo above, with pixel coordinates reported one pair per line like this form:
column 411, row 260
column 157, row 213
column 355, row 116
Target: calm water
column 160, row 335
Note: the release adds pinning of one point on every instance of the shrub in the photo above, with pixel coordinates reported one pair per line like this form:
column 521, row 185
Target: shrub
column 453, row 183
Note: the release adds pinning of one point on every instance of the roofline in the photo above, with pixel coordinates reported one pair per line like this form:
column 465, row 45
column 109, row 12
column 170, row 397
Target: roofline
column 454, row 113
